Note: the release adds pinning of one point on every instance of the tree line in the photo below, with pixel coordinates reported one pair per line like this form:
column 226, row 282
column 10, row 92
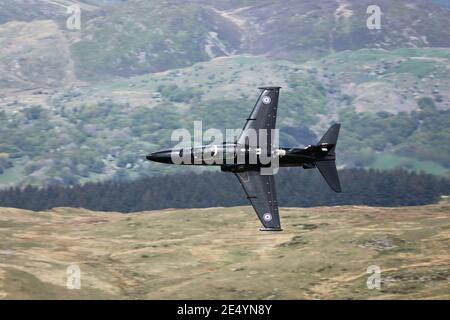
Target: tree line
column 302, row 188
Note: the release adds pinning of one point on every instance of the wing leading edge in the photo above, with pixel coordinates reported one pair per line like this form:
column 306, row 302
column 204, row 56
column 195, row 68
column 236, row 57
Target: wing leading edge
column 260, row 190
column 263, row 116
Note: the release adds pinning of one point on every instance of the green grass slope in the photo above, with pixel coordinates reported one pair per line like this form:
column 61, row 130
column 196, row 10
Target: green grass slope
column 101, row 131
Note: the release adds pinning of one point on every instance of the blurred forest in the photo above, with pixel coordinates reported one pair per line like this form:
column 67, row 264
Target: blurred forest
column 301, row 188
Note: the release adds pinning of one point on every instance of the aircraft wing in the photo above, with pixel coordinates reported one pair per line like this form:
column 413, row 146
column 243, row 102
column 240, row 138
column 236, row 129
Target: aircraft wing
column 260, row 190
column 263, row 116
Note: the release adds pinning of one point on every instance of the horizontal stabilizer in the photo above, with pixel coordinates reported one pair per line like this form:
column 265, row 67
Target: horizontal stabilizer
column 330, row 174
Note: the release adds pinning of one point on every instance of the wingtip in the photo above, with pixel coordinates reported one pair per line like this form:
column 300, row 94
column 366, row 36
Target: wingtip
column 336, row 188
column 270, row 229
column 269, row 88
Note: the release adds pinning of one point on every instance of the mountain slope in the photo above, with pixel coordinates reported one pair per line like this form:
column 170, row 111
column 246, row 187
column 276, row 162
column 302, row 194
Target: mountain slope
column 28, row 56
column 151, row 36
column 32, row 10
column 83, row 105
column 302, row 27
column 135, row 37
column 182, row 33
column 120, row 38
column 393, row 106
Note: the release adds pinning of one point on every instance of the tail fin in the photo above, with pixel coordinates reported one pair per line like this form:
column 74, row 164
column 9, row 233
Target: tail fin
column 328, row 167
column 331, row 136
column 329, row 172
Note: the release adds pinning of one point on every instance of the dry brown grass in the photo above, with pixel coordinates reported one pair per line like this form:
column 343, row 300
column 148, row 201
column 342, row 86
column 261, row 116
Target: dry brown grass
column 218, row 253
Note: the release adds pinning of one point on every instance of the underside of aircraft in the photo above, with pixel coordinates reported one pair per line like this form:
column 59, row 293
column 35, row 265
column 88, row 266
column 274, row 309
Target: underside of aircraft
column 247, row 156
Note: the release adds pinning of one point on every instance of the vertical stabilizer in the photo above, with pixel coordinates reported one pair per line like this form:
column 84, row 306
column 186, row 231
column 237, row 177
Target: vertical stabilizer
column 331, row 136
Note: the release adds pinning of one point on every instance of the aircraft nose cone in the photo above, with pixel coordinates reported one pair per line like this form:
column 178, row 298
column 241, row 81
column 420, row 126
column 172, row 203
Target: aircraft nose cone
column 161, row 156
column 155, row 156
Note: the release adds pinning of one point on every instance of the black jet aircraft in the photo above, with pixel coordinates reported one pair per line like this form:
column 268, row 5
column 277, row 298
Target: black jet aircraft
column 260, row 188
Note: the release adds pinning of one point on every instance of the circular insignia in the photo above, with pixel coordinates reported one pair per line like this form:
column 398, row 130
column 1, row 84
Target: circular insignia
column 266, row 100
column 267, row 217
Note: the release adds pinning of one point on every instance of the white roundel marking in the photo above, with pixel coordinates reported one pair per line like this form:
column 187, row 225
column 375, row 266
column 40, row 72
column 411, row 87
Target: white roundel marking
column 266, row 100
column 267, row 217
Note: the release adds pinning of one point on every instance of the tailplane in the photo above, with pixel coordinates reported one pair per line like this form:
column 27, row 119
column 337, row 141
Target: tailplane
column 330, row 174
column 328, row 167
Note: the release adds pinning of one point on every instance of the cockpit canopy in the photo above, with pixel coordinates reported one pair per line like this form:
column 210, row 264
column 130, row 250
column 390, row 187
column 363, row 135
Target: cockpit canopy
column 211, row 152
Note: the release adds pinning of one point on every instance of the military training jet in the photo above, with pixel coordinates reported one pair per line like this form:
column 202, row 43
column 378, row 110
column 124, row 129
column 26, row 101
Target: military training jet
column 244, row 158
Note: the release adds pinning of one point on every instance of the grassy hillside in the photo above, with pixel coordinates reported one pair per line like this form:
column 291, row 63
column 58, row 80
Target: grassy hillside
column 142, row 36
column 114, row 90
column 137, row 36
column 149, row 36
column 28, row 60
column 389, row 113
column 217, row 253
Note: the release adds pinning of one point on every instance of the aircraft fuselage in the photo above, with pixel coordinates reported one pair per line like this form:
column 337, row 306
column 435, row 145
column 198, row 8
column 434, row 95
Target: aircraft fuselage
column 255, row 161
column 233, row 157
